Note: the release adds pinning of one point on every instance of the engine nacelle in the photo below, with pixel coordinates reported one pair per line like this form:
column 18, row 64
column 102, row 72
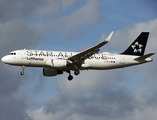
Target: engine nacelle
column 58, row 63
column 51, row 72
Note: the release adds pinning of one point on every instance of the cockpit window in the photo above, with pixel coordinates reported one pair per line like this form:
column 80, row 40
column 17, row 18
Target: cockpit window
column 12, row 53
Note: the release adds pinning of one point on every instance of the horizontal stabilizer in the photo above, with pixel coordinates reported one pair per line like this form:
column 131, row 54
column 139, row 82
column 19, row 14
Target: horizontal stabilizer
column 144, row 57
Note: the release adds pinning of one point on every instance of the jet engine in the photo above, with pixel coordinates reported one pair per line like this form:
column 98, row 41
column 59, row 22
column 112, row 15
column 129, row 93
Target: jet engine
column 51, row 72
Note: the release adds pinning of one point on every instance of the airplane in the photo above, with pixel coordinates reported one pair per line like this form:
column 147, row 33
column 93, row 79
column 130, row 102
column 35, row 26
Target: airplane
column 57, row 62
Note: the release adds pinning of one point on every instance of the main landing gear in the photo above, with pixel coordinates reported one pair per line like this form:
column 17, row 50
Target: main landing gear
column 23, row 68
column 70, row 77
column 77, row 72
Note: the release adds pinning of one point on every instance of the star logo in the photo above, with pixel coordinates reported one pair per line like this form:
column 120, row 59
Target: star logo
column 137, row 47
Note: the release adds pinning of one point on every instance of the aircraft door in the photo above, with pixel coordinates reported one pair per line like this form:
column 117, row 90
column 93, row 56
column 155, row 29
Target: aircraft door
column 23, row 54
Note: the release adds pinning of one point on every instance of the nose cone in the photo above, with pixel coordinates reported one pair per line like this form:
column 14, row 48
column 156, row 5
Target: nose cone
column 5, row 59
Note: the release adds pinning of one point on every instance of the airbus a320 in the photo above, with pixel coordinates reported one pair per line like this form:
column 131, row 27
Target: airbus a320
column 56, row 62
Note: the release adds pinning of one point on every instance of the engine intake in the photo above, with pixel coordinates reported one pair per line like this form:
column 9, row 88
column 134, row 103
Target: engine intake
column 51, row 72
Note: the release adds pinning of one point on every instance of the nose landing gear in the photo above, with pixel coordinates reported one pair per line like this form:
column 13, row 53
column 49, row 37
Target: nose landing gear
column 23, row 68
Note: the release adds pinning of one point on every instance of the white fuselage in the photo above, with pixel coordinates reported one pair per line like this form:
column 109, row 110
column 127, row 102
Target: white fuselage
column 56, row 62
column 101, row 61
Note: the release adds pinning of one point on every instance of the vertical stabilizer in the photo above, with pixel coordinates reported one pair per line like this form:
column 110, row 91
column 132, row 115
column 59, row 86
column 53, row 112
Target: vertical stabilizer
column 138, row 46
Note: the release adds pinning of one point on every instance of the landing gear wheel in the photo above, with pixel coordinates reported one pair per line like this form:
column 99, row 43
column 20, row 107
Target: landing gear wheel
column 70, row 77
column 22, row 73
column 23, row 68
column 77, row 72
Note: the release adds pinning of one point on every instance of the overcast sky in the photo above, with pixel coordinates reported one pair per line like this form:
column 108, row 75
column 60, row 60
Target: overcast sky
column 74, row 25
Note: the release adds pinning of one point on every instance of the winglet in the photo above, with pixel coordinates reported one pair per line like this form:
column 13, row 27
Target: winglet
column 109, row 37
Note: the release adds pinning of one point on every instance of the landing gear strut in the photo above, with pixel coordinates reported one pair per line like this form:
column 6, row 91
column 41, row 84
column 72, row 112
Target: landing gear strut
column 23, row 68
column 70, row 77
column 76, row 70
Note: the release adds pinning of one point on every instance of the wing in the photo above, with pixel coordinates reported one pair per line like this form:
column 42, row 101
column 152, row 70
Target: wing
column 80, row 57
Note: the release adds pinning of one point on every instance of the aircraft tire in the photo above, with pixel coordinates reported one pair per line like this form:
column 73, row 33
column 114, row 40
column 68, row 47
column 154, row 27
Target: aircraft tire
column 22, row 73
column 70, row 77
column 77, row 72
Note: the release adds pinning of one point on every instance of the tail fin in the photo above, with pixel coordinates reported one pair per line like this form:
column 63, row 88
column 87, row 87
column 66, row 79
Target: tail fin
column 138, row 46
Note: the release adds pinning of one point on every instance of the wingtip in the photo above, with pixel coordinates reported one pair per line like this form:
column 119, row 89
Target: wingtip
column 109, row 37
column 112, row 33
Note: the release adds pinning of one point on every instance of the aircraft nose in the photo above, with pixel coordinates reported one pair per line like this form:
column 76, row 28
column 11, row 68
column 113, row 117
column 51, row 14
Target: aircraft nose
column 5, row 59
